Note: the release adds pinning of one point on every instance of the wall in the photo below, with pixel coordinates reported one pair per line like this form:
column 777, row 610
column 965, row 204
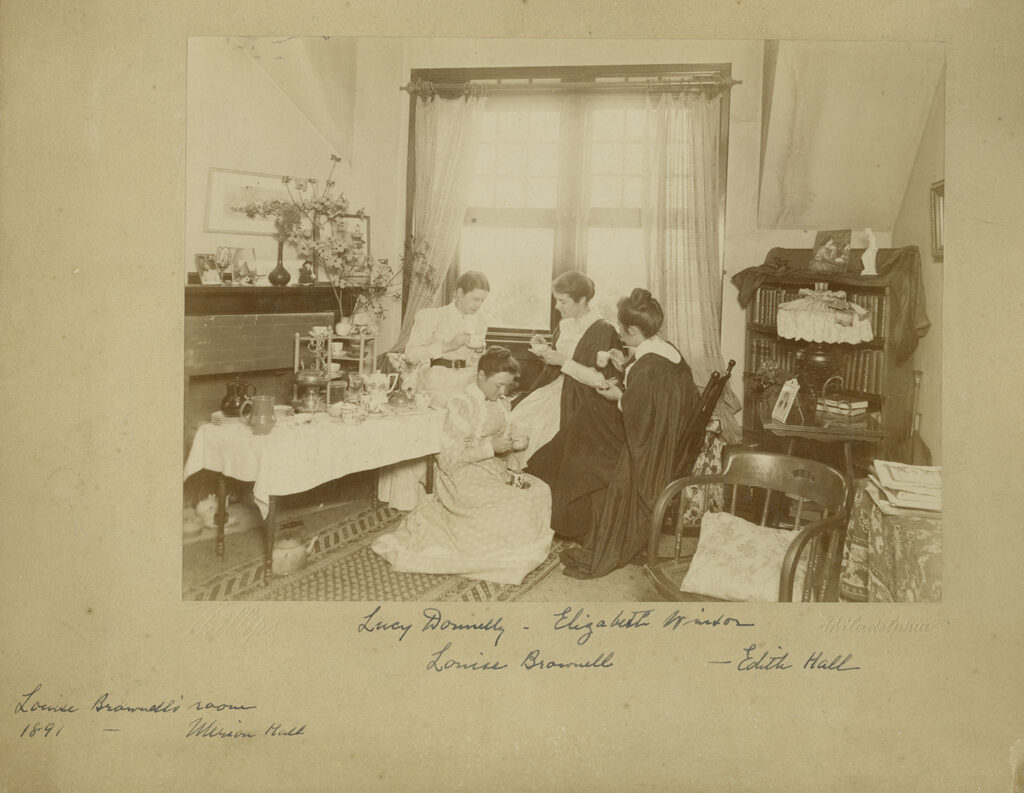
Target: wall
column 913, row 227
column 239, row 119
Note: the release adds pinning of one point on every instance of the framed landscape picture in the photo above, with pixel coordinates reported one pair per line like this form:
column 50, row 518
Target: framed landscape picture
column 229, row 189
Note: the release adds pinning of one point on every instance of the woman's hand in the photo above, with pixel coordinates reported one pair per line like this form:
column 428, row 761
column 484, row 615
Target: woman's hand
column 501, row 444
column 551, row 357
column 460, row 340
column 610, row 391
column 618, row 359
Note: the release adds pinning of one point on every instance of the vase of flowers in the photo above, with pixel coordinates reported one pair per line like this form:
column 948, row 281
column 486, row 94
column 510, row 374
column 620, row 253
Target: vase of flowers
column 305, row 222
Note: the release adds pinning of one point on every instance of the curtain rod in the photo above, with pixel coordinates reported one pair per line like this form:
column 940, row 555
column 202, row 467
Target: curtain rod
column 711, row 82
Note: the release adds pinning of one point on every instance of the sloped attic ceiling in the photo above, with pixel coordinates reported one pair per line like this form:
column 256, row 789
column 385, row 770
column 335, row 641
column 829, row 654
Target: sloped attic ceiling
column 843, row 121
column 318, row 75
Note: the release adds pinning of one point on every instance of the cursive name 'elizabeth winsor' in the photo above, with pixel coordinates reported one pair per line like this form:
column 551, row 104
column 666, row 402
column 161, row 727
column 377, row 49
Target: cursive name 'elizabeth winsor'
column 582, row 622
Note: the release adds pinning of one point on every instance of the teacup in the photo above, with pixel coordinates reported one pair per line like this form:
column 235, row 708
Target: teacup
column 335, row 366
column 337, row 348
column 321, row 330
column 602, row 359
column 336, row 409
column 477, row 340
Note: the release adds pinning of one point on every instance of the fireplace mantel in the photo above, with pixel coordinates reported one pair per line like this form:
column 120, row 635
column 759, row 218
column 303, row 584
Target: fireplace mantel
column 211, row 300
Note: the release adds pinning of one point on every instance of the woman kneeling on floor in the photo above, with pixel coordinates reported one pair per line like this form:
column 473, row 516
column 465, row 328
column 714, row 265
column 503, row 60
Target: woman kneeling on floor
column 485, row 520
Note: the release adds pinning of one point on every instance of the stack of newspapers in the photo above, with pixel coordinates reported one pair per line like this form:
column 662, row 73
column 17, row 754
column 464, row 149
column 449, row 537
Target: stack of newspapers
column 899, row 488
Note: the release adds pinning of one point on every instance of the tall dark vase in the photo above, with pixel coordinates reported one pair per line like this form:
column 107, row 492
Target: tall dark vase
column 279, row 276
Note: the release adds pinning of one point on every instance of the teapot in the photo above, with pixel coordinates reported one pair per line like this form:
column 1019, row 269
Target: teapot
column 290, row 554
column 239, row 392
column 379, row 385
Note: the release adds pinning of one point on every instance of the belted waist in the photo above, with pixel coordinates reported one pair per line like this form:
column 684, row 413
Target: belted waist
column 457, row 364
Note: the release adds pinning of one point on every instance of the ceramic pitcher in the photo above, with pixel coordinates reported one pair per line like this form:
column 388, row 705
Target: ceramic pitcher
column 260, row 414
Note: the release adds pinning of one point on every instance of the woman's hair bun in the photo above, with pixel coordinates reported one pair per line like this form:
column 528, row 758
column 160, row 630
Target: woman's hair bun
column 639, row 297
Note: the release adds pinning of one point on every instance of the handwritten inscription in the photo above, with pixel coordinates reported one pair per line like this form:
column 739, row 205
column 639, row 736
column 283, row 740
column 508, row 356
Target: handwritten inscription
column 433, row 620
column 778, row 659
column 108, row 705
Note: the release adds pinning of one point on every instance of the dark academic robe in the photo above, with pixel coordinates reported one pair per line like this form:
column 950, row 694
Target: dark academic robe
column 656, row 405
column 591, row 426
column 599, row 336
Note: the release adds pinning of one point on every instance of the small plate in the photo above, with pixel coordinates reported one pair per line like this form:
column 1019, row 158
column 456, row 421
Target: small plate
column 218, row 417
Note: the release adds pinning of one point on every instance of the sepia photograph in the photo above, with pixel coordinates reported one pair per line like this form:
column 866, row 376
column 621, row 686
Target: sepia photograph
column 642, row 206
column 643, row 441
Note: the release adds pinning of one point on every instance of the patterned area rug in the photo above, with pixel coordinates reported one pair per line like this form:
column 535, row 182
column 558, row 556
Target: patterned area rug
column 343, row 567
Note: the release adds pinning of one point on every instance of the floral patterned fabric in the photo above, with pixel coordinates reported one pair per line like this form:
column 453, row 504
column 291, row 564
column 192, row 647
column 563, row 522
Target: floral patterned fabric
column 699, row 500
column 890, row 558
column 739, row 560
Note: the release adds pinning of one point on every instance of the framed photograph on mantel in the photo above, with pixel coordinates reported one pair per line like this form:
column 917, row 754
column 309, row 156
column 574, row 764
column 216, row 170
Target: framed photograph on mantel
column 229, row 189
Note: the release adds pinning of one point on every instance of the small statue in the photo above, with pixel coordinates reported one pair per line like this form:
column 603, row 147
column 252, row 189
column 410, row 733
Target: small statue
column 868, row 257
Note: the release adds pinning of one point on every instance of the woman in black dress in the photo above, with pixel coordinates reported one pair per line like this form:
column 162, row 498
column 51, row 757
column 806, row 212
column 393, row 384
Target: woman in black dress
column 656, row 400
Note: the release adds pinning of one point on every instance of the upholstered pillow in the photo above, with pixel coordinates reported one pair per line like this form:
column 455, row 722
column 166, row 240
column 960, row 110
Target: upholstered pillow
column 739, row 560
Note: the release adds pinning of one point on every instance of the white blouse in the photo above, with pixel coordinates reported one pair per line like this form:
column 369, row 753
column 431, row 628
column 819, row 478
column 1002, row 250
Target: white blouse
column 434, row 327
column 570, row 331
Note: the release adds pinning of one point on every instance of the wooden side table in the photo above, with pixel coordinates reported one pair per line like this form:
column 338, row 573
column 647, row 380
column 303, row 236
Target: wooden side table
column 830, row 429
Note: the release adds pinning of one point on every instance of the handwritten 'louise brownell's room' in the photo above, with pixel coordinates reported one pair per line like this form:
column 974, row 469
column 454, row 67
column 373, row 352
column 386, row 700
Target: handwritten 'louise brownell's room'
column 563, row 320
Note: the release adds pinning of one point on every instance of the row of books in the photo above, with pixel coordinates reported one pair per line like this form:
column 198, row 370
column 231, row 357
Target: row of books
column 765, row 306
column 864, row 370
column 766, row 349
column 899, row 488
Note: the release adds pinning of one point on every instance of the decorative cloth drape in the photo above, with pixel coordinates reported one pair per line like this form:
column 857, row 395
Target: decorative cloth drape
column 447, row 131
column 680, row 217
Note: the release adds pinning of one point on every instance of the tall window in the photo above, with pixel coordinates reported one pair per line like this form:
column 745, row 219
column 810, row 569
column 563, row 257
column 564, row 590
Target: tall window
column 558, row 186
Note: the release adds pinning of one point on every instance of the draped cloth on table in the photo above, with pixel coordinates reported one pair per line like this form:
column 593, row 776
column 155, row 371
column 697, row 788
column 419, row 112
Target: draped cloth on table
column 657, row 403
column 898, row 268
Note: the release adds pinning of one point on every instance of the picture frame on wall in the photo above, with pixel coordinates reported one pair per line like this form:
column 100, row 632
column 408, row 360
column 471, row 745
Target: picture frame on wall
column 938, row 200
column 227, row 189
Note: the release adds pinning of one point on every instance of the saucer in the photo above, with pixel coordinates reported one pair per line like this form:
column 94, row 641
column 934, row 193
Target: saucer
column 218, row 417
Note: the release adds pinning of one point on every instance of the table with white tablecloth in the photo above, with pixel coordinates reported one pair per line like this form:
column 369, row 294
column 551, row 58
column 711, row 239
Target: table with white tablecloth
column 294, row 457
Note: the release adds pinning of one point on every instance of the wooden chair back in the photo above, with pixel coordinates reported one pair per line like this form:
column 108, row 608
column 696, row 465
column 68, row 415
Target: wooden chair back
column 695, row 432
column 776, row 490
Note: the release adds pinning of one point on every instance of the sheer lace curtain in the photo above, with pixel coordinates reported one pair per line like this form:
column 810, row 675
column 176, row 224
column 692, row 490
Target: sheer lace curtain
column 680, row 223
column 447, row 131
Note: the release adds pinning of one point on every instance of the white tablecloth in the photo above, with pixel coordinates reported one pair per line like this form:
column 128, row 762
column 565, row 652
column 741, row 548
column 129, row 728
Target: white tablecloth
column 292, row 459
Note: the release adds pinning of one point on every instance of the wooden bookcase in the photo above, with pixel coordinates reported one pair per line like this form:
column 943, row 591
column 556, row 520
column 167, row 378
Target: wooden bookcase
column 870, row 370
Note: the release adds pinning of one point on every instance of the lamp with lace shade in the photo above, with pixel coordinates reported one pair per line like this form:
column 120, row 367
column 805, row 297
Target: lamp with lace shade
column 824, row 319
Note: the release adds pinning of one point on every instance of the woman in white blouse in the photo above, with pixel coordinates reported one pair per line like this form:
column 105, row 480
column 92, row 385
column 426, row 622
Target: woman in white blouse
column 444, row 346
column 573, row 367
column 446, row 342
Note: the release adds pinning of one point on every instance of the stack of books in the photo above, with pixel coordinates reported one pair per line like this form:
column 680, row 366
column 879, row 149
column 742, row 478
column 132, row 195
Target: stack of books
column 840, row 406
column 901, row 489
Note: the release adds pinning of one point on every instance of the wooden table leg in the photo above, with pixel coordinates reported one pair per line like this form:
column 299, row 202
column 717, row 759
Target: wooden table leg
column 221, row 518
column 270, row 535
